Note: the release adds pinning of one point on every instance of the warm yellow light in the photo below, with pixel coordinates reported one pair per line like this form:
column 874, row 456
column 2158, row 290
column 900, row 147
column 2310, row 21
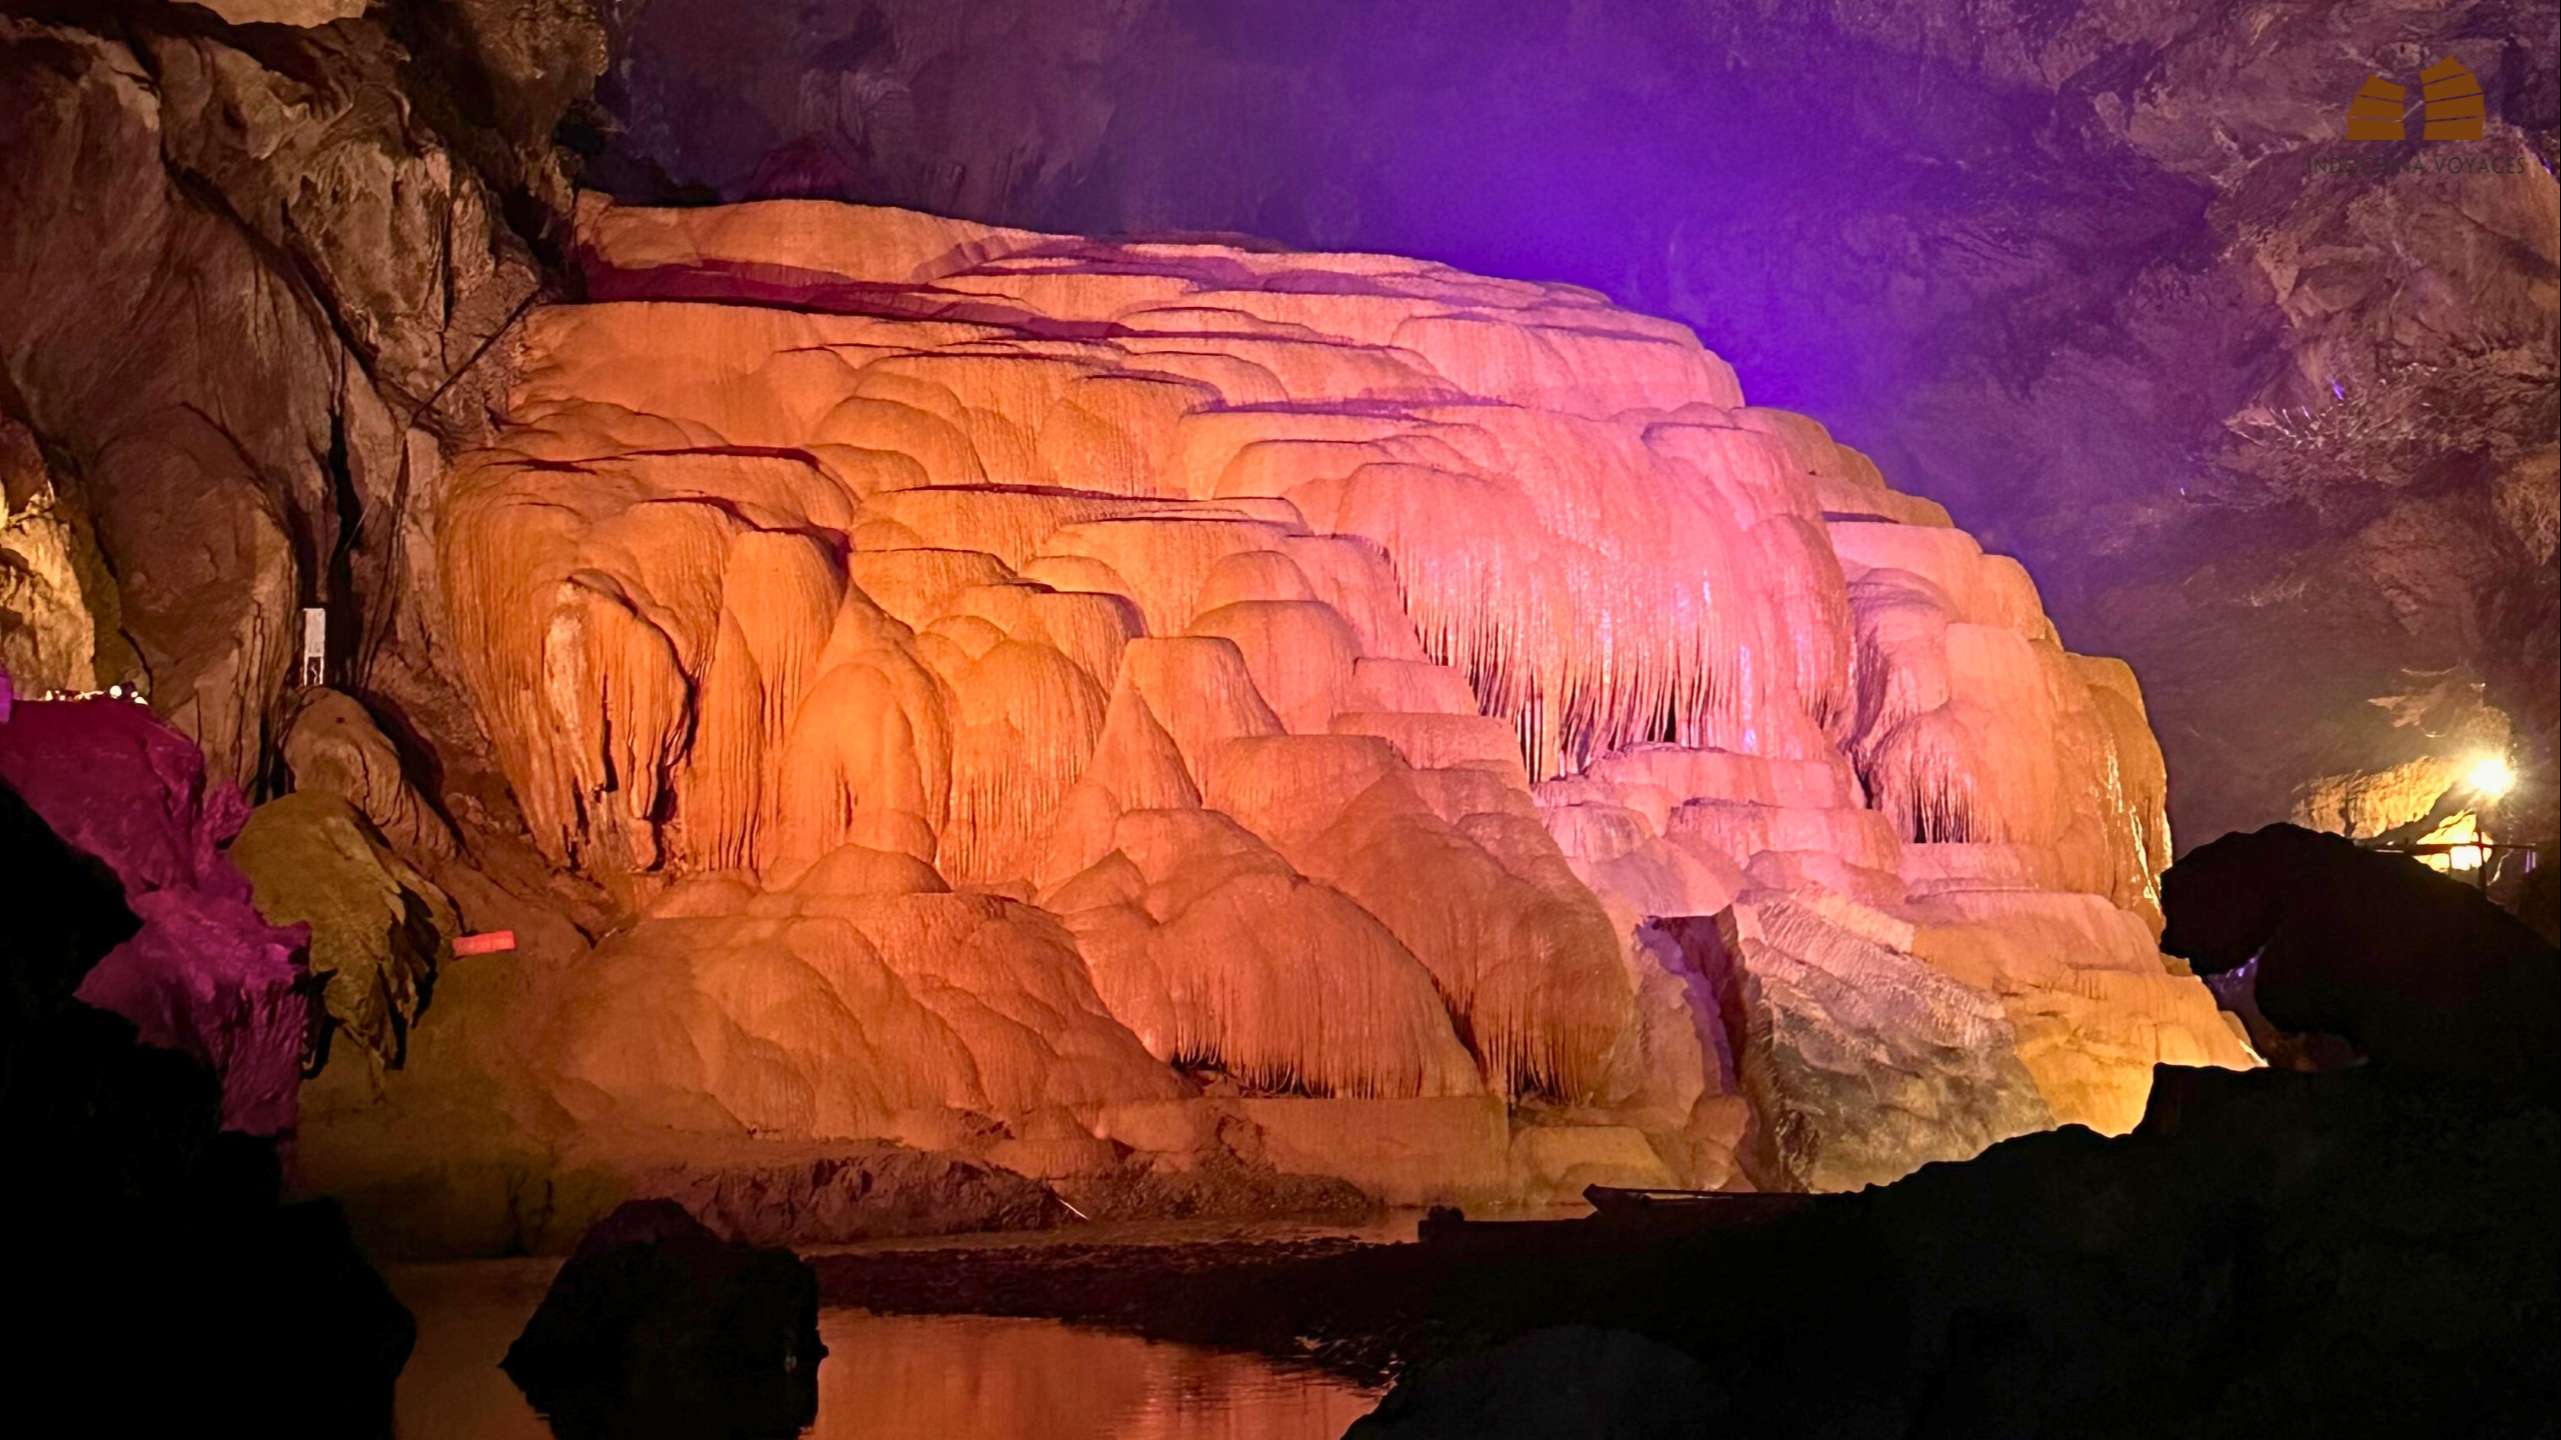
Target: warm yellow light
column 2461, row 836
column 2492, row 776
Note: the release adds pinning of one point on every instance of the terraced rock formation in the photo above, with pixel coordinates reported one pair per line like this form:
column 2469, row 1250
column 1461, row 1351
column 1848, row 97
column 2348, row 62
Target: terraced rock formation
column 1013, row 675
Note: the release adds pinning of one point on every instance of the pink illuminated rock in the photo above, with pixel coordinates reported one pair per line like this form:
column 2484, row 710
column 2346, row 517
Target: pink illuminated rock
column 205, row 974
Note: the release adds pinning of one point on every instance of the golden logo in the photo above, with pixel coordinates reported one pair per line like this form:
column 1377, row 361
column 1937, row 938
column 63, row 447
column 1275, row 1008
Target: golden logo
column 2451, row 104
column 2453, row 101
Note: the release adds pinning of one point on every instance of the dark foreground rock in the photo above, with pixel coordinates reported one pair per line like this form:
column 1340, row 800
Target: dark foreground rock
column 1570, row 1383
column 158, row 1286
column 657, row 1326
column 2413, row 969
column 2355, row 1252
column 204, row 973
column 2350, row 1251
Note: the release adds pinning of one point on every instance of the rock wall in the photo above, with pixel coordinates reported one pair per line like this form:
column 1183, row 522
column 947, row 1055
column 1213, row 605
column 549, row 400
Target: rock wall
column 57, row 604
column 246, row 282
column 1007, row 669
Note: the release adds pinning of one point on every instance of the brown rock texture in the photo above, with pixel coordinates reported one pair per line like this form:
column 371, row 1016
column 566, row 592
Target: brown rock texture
column 57, row 603
column 296, row 272
column 334, row 747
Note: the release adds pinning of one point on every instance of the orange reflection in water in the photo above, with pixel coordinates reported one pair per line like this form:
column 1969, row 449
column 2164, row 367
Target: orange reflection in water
column 889, row 1377
column 935, row 1377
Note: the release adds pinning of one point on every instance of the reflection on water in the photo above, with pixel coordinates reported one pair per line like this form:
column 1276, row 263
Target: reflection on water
column 937, row 1377
column 888, row 1377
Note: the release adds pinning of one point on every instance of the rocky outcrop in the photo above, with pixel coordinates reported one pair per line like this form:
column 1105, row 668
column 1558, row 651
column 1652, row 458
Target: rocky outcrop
column 57, row 605
column 1860, row 1059
column 333, row 747
column 252, row 442
column 132, row 1191
column 2417, row 970
column 654, row 1319
column 206, row 975
column 1033, row 673
column 305, row 231
column 378, row 928
column 839, row 1195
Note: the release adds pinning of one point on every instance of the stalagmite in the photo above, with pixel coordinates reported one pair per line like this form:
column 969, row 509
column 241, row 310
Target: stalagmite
column 1007, row 668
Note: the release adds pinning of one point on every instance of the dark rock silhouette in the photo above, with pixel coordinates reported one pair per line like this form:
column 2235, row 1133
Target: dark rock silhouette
column 205, row 973
column 151, row 1239
column 2366, row 1250
column 53, row 945
column 2539, row 899
column 2358, row 1252
column 2412, row 968
column 1570, row 1383
column 657, row 1326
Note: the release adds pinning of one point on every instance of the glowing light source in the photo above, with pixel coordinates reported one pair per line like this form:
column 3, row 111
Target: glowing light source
column 2491, row 776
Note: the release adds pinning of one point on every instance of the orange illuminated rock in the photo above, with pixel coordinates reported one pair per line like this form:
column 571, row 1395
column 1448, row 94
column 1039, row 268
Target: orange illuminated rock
column 1311, row 669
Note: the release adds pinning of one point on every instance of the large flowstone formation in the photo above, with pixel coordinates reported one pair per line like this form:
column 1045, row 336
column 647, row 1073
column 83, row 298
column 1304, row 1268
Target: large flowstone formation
column 1012, row 674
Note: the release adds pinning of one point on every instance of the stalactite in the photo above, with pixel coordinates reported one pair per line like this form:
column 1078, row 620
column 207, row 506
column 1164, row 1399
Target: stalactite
column 1229, row 958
